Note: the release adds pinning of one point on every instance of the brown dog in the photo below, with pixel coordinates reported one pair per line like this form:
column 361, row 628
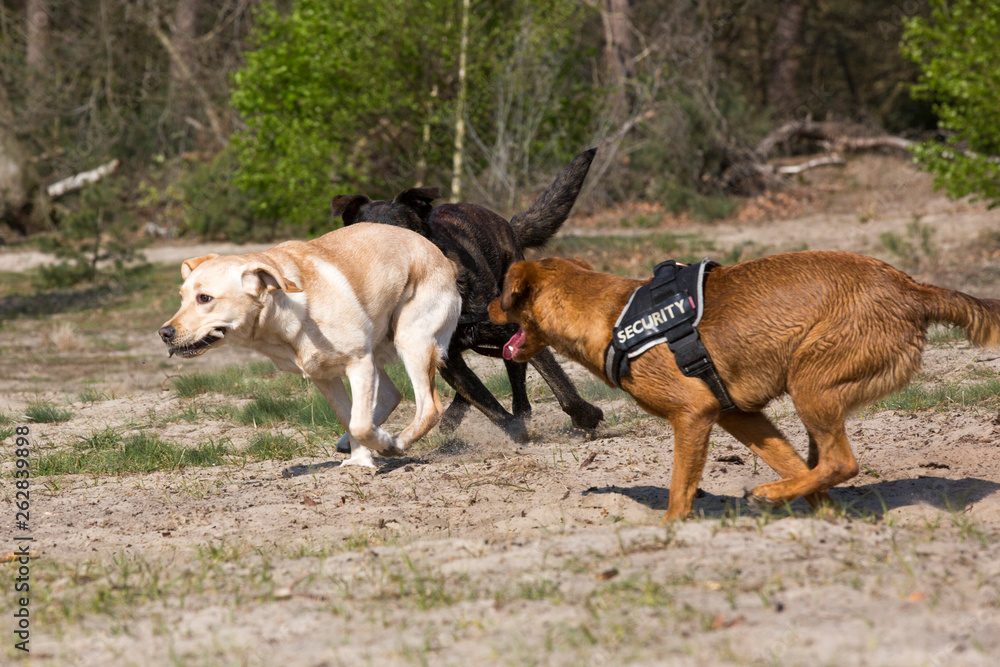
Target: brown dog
column 832, row 329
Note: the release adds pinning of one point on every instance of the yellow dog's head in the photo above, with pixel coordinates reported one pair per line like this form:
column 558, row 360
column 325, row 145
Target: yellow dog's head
column 221, row 296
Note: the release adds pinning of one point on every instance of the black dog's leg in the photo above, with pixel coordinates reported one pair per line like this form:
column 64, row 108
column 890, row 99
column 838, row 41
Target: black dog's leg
column 583, row 414
column 461, row 378
column 454, row 413
column 517, row 372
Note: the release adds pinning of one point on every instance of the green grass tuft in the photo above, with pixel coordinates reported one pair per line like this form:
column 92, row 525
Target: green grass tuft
column 265, row 446
column 109, row 453
column 91, row 395
column 46, row 412
column 917, row 397
column 242, row 380
column 311, row 410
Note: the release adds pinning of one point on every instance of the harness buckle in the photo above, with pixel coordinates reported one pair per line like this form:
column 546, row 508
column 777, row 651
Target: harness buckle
column 697, row 367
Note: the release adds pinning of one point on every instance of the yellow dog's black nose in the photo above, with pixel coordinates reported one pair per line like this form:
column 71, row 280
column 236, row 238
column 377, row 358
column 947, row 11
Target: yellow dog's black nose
column 167, row 333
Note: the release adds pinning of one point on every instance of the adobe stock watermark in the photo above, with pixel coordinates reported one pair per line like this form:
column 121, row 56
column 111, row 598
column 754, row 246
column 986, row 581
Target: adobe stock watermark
column 22, row 538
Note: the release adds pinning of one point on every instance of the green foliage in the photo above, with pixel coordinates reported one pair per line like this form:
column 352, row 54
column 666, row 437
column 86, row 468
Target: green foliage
column 958, row 52
column 311, row 93
column 96, row 241
column 338, row 98
column 215, row 208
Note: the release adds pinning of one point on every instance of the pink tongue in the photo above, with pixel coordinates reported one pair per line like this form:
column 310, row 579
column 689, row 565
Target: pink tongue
column 513, row 346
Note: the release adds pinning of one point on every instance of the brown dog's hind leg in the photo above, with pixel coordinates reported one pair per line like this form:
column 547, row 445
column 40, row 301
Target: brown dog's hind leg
column 764, row 439
column 822, row 411
column 691, row 433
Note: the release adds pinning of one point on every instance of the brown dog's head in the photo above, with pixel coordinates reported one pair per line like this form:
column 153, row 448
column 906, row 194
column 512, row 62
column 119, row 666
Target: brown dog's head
column 221, row 296
column 517, row 303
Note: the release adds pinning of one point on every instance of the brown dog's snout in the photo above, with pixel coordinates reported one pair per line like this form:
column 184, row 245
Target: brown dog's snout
column 167, row 333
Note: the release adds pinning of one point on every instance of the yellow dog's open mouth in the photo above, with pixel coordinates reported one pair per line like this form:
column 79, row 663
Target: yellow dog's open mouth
column 198, row 347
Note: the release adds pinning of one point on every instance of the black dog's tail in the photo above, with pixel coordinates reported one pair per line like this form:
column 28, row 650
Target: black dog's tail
column 539, row 223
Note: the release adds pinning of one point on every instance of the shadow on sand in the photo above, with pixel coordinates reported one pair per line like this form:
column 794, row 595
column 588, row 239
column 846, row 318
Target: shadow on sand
column 867, row 500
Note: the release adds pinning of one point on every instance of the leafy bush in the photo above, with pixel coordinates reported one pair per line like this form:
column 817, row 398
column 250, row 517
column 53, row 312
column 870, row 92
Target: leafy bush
column 215, row 208
column 337, row 97
column 958, row 53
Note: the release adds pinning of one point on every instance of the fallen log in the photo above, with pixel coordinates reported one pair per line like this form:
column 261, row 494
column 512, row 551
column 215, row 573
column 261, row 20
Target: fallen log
column 73, row 183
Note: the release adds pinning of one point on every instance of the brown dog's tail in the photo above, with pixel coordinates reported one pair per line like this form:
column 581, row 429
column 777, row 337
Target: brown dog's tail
column 980, row 318
column 538, row 224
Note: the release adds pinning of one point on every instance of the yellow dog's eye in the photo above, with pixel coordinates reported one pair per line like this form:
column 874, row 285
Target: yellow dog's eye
column 203, row 298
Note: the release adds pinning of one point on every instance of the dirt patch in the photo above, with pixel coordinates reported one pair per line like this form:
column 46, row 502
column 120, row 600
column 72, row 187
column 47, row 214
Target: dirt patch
column 477, row 551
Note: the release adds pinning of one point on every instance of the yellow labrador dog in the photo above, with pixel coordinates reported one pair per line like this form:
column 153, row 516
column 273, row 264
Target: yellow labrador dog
column 342, row 304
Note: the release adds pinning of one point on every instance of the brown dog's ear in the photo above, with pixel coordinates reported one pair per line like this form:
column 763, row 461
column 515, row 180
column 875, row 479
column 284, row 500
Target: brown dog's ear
column 190, row 265
column 582, row 264
column 516, row 286
column 262, row 275
column 347, row 207
column 418, row 199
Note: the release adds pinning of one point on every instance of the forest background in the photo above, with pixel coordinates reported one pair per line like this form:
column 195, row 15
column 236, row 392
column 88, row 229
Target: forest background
column 240, row 119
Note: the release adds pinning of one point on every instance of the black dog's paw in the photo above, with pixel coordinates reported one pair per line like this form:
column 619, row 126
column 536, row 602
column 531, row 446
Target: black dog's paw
column 587, row 416
column 517, row 431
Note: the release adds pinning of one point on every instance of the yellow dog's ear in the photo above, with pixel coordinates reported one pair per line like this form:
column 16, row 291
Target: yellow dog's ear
column 190, row 265
column 262, row 275
column 517, row 285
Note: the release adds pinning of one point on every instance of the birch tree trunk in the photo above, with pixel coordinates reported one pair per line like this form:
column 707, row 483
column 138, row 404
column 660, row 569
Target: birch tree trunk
column 456, row 166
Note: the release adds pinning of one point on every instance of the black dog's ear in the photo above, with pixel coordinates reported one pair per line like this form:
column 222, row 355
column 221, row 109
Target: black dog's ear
column 418, row 199
column 347, row 207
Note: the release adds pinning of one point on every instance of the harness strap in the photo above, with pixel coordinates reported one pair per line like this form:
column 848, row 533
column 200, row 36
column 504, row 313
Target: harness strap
column 669, row 289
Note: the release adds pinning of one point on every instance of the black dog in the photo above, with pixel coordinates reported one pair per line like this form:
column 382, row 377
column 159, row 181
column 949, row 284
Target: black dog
column 483, row 245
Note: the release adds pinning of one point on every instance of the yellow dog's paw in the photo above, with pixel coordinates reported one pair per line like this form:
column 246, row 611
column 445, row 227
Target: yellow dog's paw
column 394, row 451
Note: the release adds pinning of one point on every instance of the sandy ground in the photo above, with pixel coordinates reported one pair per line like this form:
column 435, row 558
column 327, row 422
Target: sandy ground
column 478, row 551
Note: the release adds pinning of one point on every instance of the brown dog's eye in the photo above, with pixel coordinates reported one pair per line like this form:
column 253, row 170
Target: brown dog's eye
column 203, row 298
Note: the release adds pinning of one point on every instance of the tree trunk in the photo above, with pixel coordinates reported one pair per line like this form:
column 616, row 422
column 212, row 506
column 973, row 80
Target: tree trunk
column 178, row 46
column 22, row 206
column 37, row 17
column 182, row 37
column 785, row 57
column 619, row 50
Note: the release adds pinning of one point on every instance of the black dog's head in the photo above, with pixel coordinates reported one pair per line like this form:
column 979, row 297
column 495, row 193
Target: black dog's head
column 410, row 209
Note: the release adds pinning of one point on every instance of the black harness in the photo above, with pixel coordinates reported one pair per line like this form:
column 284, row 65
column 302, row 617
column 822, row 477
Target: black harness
column 667, row 309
